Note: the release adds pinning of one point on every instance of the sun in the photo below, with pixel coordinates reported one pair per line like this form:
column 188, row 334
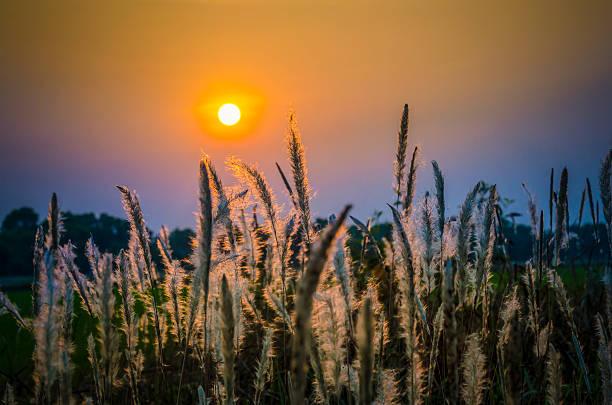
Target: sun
column 229, row 114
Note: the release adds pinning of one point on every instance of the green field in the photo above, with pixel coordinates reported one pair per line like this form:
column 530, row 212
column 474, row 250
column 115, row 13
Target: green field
column 17, row 344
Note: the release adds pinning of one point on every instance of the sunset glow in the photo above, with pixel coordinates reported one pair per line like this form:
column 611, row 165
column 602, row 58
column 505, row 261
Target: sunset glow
column 229, row 114
column 399, row 202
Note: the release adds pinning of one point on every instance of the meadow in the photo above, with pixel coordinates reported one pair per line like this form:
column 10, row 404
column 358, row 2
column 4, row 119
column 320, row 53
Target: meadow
column 274, row 306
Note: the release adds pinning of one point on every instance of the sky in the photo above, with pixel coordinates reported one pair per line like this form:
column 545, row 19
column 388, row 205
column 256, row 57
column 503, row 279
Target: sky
column 94, row 94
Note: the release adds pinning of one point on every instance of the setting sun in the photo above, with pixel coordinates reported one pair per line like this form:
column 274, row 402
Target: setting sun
column 229, row 114
column 229, row 111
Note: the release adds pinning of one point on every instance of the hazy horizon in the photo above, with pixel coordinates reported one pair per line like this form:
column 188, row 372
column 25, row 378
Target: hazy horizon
column 103, row 93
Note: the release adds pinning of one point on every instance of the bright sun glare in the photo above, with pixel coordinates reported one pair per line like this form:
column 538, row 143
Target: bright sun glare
column 229, row 114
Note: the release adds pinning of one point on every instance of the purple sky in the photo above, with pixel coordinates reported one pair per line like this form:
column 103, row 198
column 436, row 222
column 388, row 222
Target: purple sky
column 102, row 93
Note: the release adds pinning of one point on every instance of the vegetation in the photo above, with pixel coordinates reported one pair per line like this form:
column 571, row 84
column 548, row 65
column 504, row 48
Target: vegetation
column 272, row 307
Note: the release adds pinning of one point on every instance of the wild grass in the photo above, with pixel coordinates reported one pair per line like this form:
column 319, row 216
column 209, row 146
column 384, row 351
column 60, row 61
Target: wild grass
column 283, row 310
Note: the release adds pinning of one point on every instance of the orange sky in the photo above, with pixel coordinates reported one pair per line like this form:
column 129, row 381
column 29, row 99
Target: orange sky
column 98, row 93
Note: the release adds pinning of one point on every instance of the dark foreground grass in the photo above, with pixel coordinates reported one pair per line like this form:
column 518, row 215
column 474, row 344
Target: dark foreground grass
column 17, row 344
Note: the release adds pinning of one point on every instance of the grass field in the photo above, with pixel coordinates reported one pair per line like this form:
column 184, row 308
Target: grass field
column 274, row 307
column 17, row 345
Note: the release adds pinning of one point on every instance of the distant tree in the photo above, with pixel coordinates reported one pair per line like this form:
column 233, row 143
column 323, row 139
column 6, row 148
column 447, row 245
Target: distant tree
column 24, row 218
column 16, row 242
column 109, row 233
column 180, row 240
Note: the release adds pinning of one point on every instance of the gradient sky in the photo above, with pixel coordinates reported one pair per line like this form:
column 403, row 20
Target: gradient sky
column 94, row 94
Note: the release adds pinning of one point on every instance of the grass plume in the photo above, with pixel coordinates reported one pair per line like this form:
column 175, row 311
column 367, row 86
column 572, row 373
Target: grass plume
column 303, row 303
